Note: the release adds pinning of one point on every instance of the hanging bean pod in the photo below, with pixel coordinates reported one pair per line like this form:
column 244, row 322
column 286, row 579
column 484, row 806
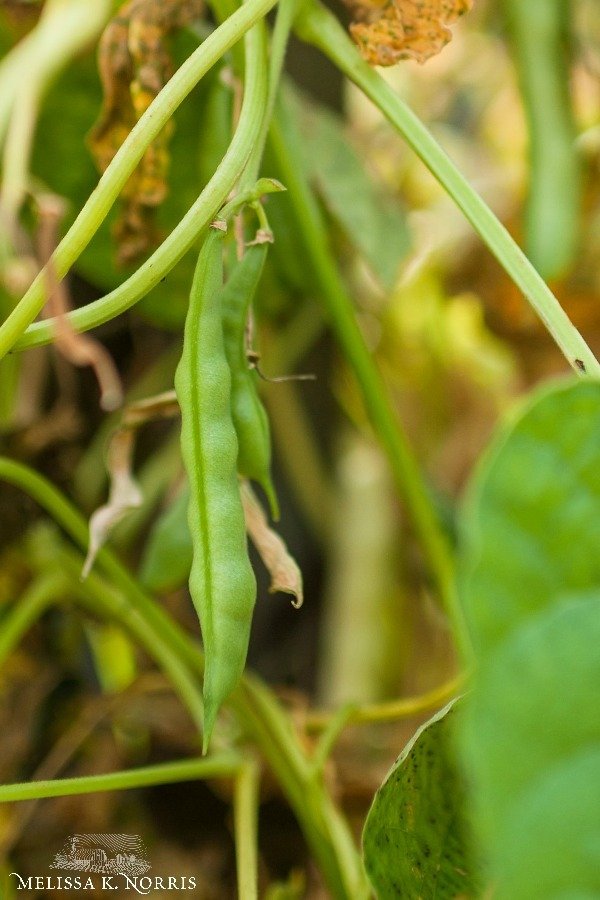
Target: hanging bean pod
column 249, row 415
column 222, row 583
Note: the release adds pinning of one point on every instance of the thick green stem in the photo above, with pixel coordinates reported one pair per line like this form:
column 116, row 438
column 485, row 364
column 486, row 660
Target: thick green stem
column 312, row 235
column 123, row 164
column 319, row 27
column 223, row 765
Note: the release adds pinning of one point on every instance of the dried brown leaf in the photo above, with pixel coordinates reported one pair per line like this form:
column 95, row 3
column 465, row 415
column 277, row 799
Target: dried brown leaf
column 161, row 406
column 283, row 569
column 135, row 64
column 404, row 29
column 124, row 496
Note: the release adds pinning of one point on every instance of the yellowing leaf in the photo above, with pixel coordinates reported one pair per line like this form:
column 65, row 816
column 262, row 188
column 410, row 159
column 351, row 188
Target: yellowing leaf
column 404, row 29
column 135, row 64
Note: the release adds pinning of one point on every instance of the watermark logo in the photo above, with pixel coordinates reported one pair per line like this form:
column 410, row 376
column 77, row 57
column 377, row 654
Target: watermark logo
column 104, row 862
column 110, row 854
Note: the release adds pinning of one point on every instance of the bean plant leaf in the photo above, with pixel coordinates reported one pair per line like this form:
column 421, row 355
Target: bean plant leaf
column 530, row 738
column 168, row 553
column 404, row 29
column 373, row 221
column 415, row 841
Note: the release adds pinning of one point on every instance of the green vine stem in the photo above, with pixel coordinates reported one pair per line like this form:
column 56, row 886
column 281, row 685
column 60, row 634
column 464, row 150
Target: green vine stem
column 312, row 235
column 222, row 765
column 256, row 709
column 148, row 622
column 318, row 26
column 245, row 810
column 393, row 711
column 129, row 154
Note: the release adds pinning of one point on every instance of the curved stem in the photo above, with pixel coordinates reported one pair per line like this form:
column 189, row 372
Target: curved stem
column 125, row 161
column 319, row 27
column 220, row 765
column 385, row 712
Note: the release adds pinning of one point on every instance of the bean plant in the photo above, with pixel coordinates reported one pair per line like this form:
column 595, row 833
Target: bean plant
column 209, row 223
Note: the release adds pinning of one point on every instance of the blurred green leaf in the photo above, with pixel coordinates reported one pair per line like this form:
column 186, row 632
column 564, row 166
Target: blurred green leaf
column 167, row 558
column 415, row 840
column 531, row 734
column 373, row 222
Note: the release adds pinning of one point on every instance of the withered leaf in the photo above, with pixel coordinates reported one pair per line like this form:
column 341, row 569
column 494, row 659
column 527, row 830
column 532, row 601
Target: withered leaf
column 404, row 29
column 135, row 64
column 281, row 566
column 125, row 494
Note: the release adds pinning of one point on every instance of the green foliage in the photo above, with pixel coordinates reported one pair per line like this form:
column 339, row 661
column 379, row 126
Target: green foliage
column 167, row 558
column 416, row 837
column 531, row 734
column 373, row 221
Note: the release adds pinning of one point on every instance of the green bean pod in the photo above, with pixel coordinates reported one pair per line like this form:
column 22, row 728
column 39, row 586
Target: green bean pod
column 249, row 415
column 539, row 34
column 222, row 583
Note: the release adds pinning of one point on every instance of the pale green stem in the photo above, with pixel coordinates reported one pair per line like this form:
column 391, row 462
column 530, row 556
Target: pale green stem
column 127, row 157
column 245, row 808
column 320, row 27
column 223, row 765
column 17, row 151
column 392, row 711
column 64, row 28
column 324, row 827
column 286, row 13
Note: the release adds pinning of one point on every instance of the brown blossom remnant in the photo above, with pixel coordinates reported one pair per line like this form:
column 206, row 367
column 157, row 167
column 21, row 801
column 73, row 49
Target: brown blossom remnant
column 404, row 29
column 135, row 64
column 125, row 493
column 286, row 576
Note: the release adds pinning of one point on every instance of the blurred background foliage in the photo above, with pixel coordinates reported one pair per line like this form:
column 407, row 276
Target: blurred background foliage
column 455, row 342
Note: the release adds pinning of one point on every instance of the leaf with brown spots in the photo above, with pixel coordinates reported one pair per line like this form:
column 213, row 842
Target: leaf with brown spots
column 135, row 64
column 404, row 29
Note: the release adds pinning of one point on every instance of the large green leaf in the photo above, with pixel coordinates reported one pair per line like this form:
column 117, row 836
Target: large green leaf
column 415, row 841
column 531, row 592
